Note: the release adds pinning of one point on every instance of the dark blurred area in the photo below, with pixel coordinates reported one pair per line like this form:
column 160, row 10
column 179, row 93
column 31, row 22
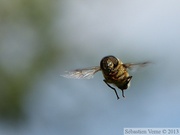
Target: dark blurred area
column 27, row 50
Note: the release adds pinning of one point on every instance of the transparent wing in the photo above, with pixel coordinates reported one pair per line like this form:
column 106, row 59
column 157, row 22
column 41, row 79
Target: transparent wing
column 86, row 73
column 135, row 66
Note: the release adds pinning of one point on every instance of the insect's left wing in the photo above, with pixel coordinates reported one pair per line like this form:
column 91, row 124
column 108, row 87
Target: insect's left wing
column 86, row 73
column 135, row 66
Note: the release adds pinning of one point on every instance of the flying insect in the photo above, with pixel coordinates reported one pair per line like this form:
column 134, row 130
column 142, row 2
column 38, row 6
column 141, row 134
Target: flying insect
column 113, row 70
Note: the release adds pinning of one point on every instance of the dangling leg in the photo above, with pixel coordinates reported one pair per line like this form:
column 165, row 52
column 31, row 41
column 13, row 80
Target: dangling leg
column 126, row 85
column 112, row 88
column 123, row 93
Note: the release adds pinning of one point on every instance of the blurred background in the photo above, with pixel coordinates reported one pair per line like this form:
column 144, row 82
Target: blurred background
column 40, row 39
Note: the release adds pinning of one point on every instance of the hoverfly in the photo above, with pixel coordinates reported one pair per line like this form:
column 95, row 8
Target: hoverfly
column 114, row 72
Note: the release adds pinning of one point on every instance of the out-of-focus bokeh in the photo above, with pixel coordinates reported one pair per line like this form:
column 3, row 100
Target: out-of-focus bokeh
column 39, row 40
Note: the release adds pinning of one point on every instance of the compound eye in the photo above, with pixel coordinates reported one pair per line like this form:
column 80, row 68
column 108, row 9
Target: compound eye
column 110, row 63
column 114, row 60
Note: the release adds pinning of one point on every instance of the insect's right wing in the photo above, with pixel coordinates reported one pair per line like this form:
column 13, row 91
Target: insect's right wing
column 85, row 73
column 135, row 66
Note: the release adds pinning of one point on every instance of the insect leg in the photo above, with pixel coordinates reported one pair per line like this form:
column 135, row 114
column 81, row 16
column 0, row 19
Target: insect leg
column 126, row 85
column 112, row 88
column 123, row 93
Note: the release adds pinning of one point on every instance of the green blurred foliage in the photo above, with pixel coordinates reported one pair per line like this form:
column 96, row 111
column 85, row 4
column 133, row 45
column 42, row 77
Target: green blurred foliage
column 38, row 15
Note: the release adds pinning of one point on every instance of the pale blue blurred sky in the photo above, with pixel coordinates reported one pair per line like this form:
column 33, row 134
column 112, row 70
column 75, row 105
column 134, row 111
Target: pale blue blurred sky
column 133, row 31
